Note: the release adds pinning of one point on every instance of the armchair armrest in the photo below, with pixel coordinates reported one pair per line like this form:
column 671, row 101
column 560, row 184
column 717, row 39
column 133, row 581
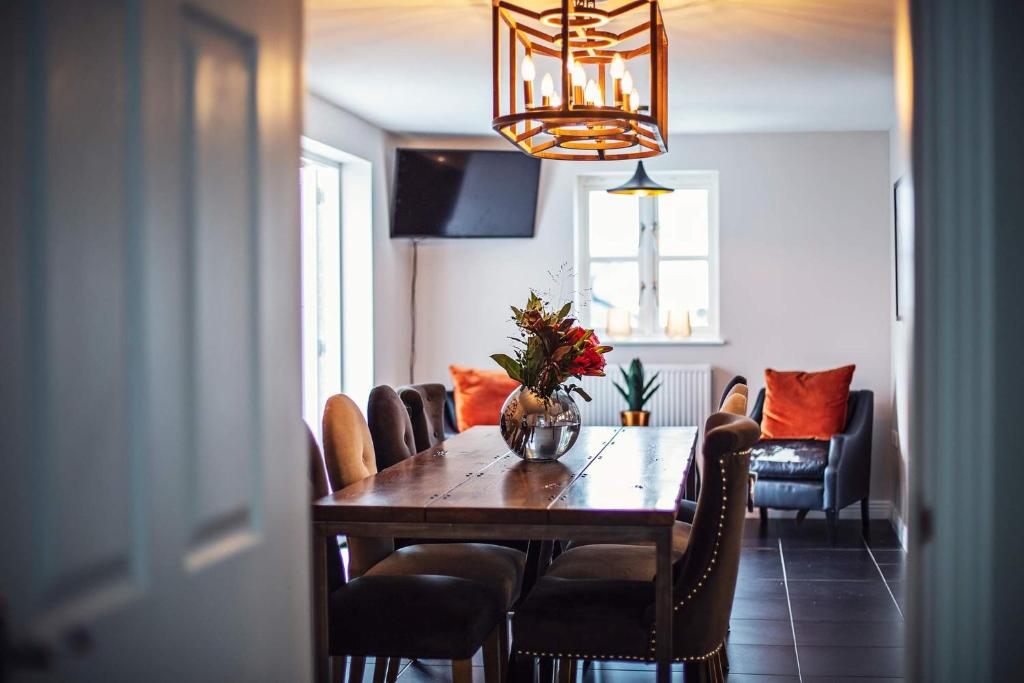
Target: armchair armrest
column 848, row 474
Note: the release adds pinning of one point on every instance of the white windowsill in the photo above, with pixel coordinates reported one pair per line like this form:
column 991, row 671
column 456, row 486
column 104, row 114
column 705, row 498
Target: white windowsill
column 662, row 341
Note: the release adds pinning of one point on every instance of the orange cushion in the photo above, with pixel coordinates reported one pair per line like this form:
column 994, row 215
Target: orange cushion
column 479, row 395
column 805, row 405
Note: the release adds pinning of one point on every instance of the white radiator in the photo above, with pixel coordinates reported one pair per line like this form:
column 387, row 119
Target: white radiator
column 684, row 398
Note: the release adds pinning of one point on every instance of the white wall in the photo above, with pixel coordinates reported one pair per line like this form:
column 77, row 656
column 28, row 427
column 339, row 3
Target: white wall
column 333, row 126
column 805, row 264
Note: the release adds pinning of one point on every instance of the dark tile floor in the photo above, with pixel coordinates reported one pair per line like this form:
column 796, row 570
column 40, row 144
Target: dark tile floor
column 803, row 612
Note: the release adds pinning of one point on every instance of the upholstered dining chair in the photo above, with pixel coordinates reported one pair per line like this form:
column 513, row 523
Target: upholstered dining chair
column 411, row 615
column 604, row 618
column 425, row 404
column 390, row 427
column 350, row 456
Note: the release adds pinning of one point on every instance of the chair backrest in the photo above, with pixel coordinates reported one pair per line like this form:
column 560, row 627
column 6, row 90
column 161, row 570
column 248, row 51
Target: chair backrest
column 318, row 489
column 425, row 404
column 735, row 402
column 738, row 379
column 390, row 427
column 706, row 575
column 350, row 458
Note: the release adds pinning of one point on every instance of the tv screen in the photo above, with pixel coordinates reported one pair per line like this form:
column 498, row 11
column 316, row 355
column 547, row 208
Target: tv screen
column 464, row 193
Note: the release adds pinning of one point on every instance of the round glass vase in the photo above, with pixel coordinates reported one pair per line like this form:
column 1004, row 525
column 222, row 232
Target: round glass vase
column 536, row 429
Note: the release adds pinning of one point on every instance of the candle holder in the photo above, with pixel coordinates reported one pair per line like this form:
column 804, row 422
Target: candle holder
column 578, row 34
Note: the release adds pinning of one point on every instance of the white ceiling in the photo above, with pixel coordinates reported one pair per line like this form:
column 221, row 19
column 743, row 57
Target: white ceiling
column 423, row 66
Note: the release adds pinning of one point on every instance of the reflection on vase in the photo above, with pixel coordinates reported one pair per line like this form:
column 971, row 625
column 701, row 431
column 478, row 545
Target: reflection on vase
column 538, row 429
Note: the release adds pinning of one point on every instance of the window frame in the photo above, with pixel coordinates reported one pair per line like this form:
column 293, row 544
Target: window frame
column 698, row 180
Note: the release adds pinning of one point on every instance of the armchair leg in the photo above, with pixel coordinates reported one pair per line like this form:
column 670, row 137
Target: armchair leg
column 492, row 657
column 865, row 518
column 764, row 514
column 696, row 672
column 462, row 671
column 830, row 518
column 800, row 515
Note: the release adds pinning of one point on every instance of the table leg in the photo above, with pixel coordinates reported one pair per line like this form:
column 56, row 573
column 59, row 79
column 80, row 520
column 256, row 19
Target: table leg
column 663, row 610
column 320, row 606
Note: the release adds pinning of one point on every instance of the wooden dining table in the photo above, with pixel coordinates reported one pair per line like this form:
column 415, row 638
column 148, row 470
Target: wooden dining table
column 616, row 484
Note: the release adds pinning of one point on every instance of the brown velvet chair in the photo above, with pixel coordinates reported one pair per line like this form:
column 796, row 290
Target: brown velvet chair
column 412, row 616
column 425, row 404
column 602, row 618
column 390, row 427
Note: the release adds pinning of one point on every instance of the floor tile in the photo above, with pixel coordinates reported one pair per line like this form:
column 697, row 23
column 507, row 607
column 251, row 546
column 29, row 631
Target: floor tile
column 760, row 608
column 760, row 563
column 747, row 587
column 844, row 610
column 829, row 564
column 893, row 572
column 871, row 589
column 889, row 556
column 898, row 589
column 762, row 659
column 849, row 633
column 851, row 661
column 760, row 632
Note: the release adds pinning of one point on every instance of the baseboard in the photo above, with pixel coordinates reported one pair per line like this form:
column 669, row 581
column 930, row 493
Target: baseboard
column 877, row 509
column 900, row 526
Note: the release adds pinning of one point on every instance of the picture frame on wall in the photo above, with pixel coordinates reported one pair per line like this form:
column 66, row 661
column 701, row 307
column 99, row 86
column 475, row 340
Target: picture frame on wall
column 902, row 203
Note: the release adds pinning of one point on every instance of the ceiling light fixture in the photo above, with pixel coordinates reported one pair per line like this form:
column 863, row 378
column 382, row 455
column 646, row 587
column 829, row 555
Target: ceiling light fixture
column 640, row 184
column 582, row 119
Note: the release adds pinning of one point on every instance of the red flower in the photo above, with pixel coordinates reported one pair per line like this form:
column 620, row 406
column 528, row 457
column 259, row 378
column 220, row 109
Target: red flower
column 591, row 360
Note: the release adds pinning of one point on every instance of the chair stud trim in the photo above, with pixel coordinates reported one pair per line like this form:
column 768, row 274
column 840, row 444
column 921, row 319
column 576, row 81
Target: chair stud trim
column 581, row 655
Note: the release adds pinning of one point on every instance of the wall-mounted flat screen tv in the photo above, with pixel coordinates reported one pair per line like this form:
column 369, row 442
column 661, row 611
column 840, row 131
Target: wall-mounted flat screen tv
column 464, row 193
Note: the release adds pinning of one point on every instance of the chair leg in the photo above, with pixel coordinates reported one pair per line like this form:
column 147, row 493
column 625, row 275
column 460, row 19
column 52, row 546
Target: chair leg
column 355, row 672
column 394, row 666
column 462, row 671
column 724, row 655
column 800, row 516
column 830, row 519
column 503, row 648
column 696, row 672
column 492, row 656
column 520, row 668
column 865, row 518
column 719, row 669
column 380, row 669
column 764, row 514
column 546, row 669
column 338, row 669
column 565, row 670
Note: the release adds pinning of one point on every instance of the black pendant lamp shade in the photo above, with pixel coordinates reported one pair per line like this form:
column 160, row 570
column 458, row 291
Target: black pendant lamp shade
column 640, row 184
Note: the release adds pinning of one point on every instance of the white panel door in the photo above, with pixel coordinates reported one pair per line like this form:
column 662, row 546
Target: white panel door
column 153, row 497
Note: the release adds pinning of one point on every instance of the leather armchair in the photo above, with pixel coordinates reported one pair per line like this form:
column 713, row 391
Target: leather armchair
column 806, row 475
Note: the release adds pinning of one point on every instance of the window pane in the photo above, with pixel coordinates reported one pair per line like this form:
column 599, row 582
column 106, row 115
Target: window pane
column 683, row 223
column 613, row 285
column 683, row 286
column 614, row 228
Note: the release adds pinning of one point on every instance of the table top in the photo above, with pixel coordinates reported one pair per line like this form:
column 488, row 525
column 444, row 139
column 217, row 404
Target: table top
column 611, row 476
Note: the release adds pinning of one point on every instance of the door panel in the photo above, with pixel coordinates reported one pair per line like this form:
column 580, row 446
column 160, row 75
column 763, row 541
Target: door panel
column 221, row 159
column 154, row 467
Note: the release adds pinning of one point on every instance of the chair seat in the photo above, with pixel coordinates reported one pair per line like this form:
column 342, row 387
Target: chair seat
column 789, row 459
column 581, row 617
column 631, row 561
column 497, row 567
column 426, row 617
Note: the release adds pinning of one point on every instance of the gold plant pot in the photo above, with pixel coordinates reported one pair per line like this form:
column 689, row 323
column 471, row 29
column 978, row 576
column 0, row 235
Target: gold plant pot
column 635, row 418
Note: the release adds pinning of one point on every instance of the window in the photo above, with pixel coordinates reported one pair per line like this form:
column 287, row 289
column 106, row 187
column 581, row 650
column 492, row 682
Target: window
column 643, row 259
column 320, row 198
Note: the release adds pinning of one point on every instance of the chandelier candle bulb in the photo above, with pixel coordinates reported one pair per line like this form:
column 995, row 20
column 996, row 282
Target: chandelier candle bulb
column 579, row 81
column 529, row 73
column 625, row 89
column 592, row 95
column 617, row 71
column 547, row 89
column 634, row 100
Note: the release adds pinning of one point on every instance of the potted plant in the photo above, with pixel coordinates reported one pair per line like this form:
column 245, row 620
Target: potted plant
column 540, row 420
column 637, row 392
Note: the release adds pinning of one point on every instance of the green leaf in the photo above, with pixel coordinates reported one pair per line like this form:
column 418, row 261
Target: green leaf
column 650, row 382
column 563, row 311
column 585, row 395
column 647, row 396
column 509, row 365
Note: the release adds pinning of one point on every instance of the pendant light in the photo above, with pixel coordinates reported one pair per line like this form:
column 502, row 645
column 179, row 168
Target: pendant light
column 640, row 185
column 584, row 54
